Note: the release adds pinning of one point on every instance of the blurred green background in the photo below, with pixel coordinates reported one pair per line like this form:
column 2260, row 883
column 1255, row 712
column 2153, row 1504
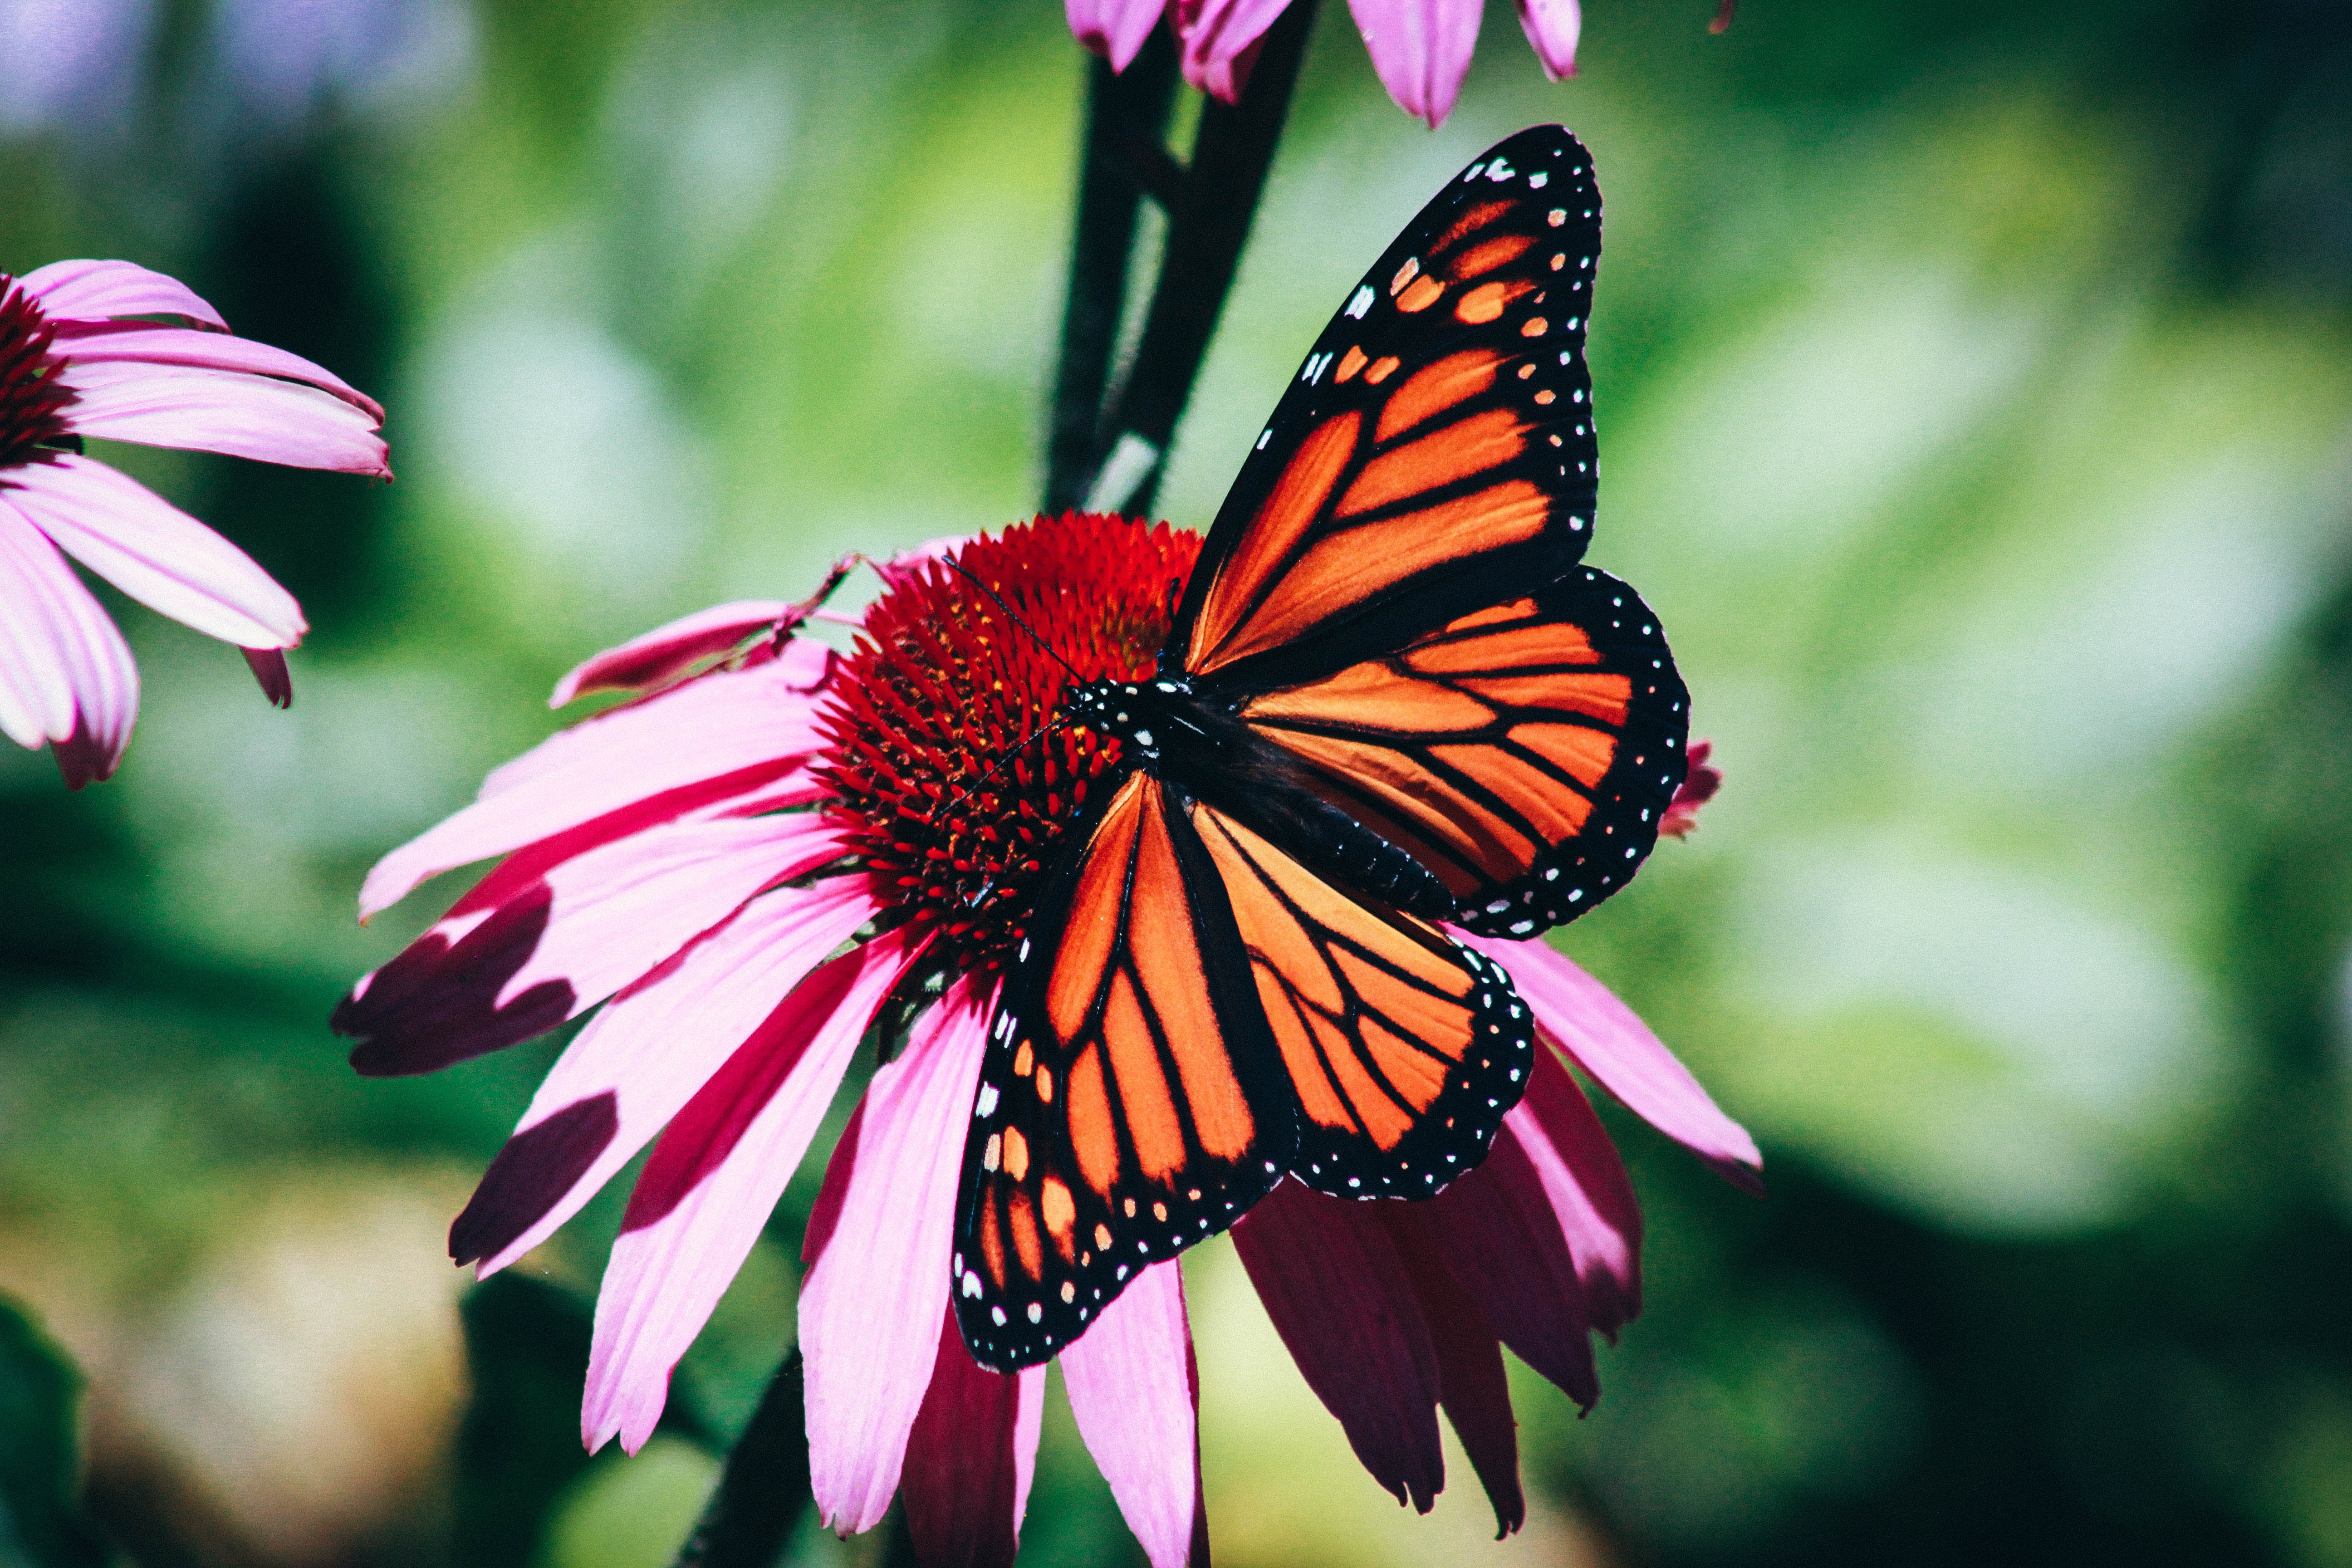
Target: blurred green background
column 1976, row 391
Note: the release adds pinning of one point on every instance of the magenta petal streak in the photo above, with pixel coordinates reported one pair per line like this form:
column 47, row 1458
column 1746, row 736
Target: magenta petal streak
column 871, row 1308
column 645, row 1057
column 1500, row 1236
column 270, row 672
column 668, row 651
column 66, row 676
column 1472, row 1388
column 1131, row 1390
column 1422, row 49
column 224, row 411
column 713, row 1179
column 722, row 723
column 94, row 291
column 970, row 1457
column 1584, row 1183
column 152, row 551
column 1603, row 1035
column 1339, row 1296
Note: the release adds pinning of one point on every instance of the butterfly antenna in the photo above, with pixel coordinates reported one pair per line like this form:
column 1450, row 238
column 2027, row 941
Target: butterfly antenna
column 1051, row 651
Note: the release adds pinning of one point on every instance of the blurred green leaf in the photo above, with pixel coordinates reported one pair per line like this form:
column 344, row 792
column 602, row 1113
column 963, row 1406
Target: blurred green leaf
column 40, row 1480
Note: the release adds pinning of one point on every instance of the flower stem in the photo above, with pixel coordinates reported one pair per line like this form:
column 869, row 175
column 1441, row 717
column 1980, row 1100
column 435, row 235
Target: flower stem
column 1210, row 213
column 762, row 1489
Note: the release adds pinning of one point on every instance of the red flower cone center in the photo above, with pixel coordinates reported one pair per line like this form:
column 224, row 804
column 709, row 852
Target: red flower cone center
column 32, row 403
column 944, row 759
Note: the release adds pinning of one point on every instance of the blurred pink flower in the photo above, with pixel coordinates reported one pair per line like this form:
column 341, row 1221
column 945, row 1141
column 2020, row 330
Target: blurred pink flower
column 715, row 862
column 1420, row 48
column 69, row 368
column 1698, row 786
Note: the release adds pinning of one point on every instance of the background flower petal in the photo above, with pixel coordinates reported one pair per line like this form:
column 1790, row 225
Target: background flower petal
column 713, row 1180
column 1551, row 26
column 66, row 676
column 669, row 650
column 647, row 1055
column 154, row 551
column 730, row 735
column 137, row 342
column 1332, row 1281
column 558, row 941
column 870, row 1309
column 1220, row 39
column 270, row 672
column 1114, row 29
column 1133, row 1394
column 1422, row 50
column 1603, row 1035
column 222, row 411
column 93, row 291
column 970, row 1455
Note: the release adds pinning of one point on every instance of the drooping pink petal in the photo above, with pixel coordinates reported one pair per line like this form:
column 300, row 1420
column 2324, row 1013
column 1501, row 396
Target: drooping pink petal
column 66, row 676
column 270, row 671
column 715, row 1175
column 1114, row 29
column 1585, row 1184
column 970, row 1454
column 1422, row 49
column 644, row 1057
column 1131, row 1389
column 152, row 551
column 1602, row 1034
column 733, row 731
column 1551, row 26
column 1472, row 1388
column 870, row 1307
column 94, row 291
column 224, row 411
column 1221, row 40
column 669, row 650
column 138, row 343
column 1504, row 1242
column 483, row 980
column 1332, row 1281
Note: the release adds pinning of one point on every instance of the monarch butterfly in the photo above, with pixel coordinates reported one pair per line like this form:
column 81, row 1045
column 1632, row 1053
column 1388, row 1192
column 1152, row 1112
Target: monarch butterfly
column 1392, row 698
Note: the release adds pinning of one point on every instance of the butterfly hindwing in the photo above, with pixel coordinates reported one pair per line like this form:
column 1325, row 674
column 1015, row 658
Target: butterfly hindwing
column 1129, row 1101
column 1435, row 453
column 1524, row 752
column 1403, row 1048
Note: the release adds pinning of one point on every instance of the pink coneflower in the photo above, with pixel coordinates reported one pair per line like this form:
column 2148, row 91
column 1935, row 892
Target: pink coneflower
column 764, row 853
column 70, row 367
column 1420, row 48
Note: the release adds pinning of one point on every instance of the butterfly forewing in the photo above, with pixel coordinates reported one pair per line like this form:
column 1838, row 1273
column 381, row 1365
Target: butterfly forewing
column 1404, row 1050
column 1435, row 453
column 1129, row 1101
column 1523, row 752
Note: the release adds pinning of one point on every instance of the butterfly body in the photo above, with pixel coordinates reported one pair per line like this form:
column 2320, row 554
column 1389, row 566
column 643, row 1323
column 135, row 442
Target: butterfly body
column 1392, row 697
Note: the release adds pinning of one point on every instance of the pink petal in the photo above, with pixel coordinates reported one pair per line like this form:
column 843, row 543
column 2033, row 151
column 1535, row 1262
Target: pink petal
column 669, row 650
column 66, row 676
column 126, row 343
column 713, row 1179
column 1132, row 1390
column 483, row 980
column 909, row 564
column 93, row 291
column 1472, row 1388
column 1114, row 29
column 1602, row 1034
column 1587, row 1189
column 1220, row 39
column 649, row 1052
column 1422, row 49
column 870, row 1309
column 269, row 667
column 1338, row 1293
column 970, row 1455
column 222, row 411
column 725, row 734
column 154, row 551
column 1551, row 26
column 1504, row 1243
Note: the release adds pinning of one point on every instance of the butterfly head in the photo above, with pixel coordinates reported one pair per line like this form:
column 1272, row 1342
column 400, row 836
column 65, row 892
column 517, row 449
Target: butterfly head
column 1138, row 714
